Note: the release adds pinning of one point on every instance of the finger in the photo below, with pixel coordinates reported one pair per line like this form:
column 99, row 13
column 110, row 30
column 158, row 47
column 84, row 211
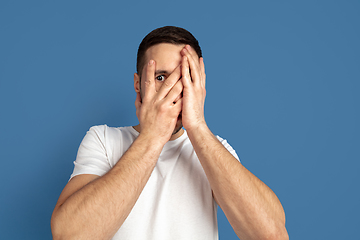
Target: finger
column 150, row 89
column 175, row 93
column 202, row 69
column 178, row 106
column 169, row 83
column 185, row 71
column 192, row 52
column 194, row 65
column 201, row 61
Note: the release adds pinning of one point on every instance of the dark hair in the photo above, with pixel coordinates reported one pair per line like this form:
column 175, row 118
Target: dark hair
column 167, row 34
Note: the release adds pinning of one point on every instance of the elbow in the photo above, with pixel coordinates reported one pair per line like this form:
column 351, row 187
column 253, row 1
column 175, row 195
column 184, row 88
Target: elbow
column 279, row 233
column 58, row 229
column 63, row 228
column 283, row 235
column 55, row 228
column 275, row 231
column 58, row 234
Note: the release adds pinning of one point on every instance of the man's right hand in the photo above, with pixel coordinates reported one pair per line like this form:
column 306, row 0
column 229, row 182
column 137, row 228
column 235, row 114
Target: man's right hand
column 158, row 111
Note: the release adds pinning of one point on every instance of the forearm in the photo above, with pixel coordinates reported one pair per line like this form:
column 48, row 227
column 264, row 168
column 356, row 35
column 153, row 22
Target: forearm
column 251, row 207
column 98, row 209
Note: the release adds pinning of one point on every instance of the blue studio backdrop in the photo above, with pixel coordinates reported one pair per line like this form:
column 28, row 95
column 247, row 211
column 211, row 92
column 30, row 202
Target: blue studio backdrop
column 282, row 87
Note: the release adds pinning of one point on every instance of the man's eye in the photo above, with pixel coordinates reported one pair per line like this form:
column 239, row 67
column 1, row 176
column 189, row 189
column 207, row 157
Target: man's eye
column 160, row 78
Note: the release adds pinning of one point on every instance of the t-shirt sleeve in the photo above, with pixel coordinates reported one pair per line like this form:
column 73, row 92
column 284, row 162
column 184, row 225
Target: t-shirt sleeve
column 92, row 156
column 228, row 147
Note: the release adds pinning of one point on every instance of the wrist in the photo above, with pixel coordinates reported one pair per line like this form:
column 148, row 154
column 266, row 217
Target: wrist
column 148, row 146
column 198, row 129
column 154, row 141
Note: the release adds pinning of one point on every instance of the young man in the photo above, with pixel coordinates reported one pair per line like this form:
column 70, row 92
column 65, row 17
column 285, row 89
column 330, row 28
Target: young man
column 156, row 180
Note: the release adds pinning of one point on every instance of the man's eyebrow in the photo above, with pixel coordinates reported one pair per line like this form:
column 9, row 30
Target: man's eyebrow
column 160, row 71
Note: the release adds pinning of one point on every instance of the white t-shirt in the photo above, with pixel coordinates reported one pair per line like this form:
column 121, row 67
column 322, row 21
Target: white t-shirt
column 176, row 202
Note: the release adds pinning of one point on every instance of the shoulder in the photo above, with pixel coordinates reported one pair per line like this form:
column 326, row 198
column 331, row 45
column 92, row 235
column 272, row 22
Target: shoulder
column 103, row 129
column 112, row 135
column 108, row 143
column 106, row 131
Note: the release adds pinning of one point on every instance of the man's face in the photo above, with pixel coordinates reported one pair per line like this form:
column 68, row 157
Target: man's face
column 167, row 57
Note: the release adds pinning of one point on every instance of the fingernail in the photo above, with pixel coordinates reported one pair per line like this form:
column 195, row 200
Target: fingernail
column 151, row 62
column 188, row 47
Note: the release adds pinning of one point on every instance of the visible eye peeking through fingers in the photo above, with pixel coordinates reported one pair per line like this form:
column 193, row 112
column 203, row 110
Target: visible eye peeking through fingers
column 160, row 78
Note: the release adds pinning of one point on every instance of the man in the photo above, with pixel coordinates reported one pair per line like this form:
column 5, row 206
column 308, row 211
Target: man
column 156, row 180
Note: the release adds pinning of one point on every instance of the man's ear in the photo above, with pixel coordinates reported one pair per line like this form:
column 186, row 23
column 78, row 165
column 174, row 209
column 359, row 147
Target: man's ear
column 136, row 82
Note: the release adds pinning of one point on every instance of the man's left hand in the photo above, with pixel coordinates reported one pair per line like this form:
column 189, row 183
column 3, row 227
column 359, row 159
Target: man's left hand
column 193, row 79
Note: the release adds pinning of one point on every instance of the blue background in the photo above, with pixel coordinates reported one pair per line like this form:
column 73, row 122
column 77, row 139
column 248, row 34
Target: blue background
column 282, row 87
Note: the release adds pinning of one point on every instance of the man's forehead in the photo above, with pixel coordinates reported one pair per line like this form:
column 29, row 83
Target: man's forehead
column 164, row 52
